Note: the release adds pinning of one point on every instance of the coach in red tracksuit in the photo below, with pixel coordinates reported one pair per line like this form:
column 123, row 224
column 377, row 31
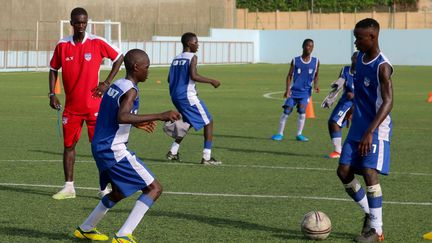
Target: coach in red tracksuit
column 79, row 56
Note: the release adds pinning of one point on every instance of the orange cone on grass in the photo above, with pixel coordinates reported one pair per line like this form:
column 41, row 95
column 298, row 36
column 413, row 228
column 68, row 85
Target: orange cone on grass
column 57, row 88
column 430, row 97
column 310, row 113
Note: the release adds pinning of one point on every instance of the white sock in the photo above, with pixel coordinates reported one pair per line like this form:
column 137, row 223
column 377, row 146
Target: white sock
column 376, row 213
column 337, row 142
column 300, row 123
column 207, row 154
column 363, row 203
column 69, row 186
column 282, row 122
column 174, row 148
column 94, row 218
column 374, row 192
column 134, row 218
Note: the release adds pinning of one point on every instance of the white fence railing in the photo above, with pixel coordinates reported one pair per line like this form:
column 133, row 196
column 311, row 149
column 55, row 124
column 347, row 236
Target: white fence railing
column 160, row 53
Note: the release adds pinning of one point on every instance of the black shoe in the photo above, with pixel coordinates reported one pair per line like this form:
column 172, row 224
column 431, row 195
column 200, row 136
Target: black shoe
column 370, row 236
column 211, row 161
column 366, row 224
column 173, row 157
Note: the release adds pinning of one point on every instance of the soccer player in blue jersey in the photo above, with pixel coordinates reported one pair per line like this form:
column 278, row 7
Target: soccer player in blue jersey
column 338, row 117
column 366, row 150
column 182, row 77
column 302, row 73
column 117, row 165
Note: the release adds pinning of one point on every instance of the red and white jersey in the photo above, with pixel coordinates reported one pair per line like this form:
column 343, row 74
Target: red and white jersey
column 80, row 63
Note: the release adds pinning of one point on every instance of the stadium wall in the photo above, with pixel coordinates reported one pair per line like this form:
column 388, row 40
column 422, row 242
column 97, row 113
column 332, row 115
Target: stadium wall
column 335, row 47
column 331, row 46
column 307, row 20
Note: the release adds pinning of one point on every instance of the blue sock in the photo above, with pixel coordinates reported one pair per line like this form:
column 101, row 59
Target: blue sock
column 107, row 203
column 146, row 200
column 336, row 134
column 207, row 144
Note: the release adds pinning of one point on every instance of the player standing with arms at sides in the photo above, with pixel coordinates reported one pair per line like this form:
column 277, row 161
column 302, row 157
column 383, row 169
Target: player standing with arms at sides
column 338, row 117
column 302, row 73
column 117, row 165
column 79, row 56
column 182, row 77
column 366, row 150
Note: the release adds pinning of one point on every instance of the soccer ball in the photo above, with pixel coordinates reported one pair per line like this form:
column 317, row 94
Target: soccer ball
column 316, row 225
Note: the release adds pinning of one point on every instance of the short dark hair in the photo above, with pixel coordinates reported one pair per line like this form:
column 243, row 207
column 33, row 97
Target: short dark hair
column 306, row 41
column 78, row 11
column 132, row 57
column 368, row 23
column 186, row 37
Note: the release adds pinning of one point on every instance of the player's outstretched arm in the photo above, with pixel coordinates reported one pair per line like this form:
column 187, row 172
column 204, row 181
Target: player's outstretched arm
column 198, row 78
column 126, row 117
column 385, row 72
column 54, row 101
column 289, row 80
column 103, row 86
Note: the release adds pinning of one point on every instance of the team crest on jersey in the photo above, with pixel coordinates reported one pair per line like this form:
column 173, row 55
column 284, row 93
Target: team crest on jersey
column 366, row 82
column 298, row 70
column 311, row 70
column 65, row 120
column 87, row 56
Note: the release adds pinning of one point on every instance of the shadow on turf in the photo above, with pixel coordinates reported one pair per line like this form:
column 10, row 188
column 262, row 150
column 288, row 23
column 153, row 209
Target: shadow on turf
column 32, row 233
column 37, row 192
column 268, row 152
column 231, row 136
column 284, row 234
column 56, row 153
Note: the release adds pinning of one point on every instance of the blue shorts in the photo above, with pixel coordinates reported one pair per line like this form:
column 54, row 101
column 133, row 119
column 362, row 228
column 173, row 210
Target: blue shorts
column 300, row 102
column 339, row 113
column 378, row 158
column 129, row 175
column 197, row 115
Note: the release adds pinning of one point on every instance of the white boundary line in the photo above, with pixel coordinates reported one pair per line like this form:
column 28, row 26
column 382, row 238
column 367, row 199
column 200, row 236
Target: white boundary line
column 223, row 165
column 232, row 195
column 269, row 95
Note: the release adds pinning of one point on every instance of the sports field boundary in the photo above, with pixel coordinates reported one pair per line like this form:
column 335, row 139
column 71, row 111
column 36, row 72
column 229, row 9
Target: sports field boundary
column 275, row 167
column 203, row 194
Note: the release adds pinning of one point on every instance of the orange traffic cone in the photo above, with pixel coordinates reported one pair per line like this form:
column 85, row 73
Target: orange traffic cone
column 430, row 97
column 310, row 113
column 57, row 89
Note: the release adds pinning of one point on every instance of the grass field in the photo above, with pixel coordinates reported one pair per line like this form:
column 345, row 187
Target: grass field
column 259, row 194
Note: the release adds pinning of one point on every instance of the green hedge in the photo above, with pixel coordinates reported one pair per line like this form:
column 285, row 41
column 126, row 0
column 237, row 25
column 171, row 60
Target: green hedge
column 325, row 5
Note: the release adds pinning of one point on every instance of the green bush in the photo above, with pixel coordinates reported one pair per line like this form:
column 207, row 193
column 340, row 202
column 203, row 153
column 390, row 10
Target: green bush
column 325, row 5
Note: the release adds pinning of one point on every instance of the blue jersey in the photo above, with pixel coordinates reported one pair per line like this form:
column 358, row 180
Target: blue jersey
column 110, row 137
column 182, row 87
column 368, row 99
column 303, row 76
column 349, row 83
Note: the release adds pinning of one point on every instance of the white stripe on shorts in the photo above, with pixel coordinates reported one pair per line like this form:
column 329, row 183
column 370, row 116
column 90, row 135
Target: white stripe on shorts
column 381, row 150
column 140, row 169
column 341, row 118
column 203, row 113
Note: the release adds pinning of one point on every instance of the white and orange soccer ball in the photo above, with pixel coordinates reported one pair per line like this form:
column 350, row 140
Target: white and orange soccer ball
column 316, row 225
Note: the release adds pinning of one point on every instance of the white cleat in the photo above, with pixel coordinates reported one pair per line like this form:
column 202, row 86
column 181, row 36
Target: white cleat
column 65, row 193
column 102, row 194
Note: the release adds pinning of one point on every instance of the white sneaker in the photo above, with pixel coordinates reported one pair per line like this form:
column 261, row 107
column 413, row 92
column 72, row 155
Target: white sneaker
column 101, row 194
column 65, row 193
